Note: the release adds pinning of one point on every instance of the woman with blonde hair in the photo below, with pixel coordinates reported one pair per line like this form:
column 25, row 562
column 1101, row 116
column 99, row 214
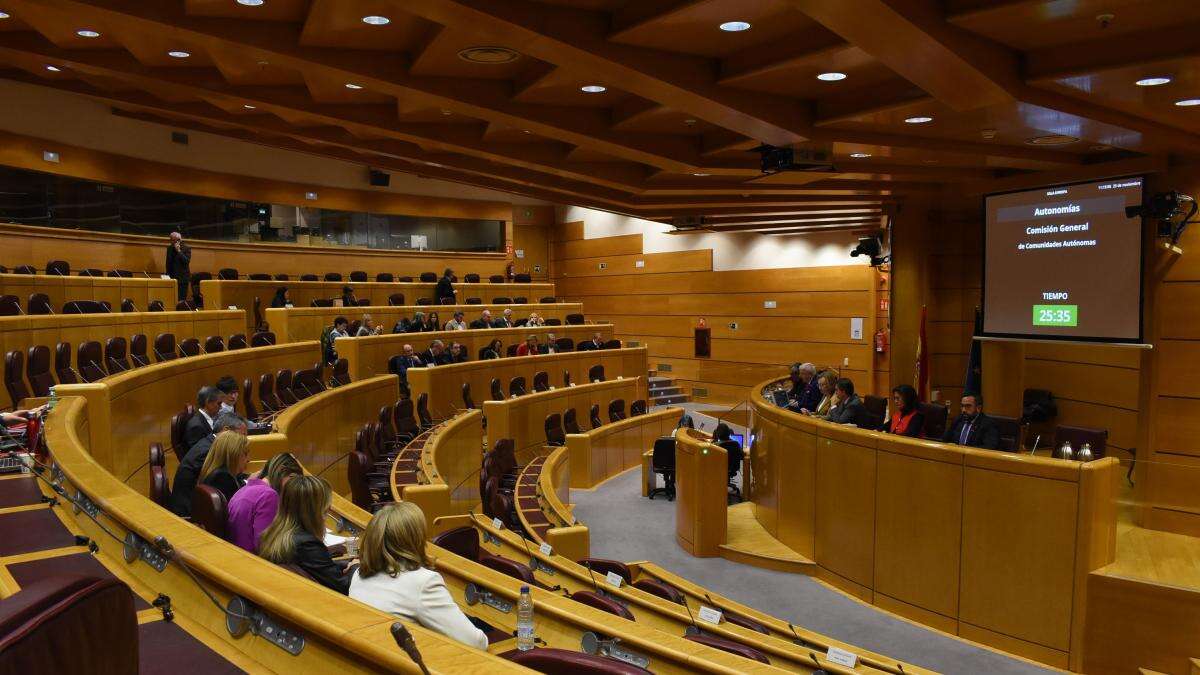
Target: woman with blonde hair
column 394, row 575
column 297, row 535
column 225, row 466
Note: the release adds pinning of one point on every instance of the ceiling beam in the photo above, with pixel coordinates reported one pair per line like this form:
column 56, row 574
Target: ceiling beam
column 636, row 15
column 755, row 225
column 279, row 43
column 1117, row 51
column 779, row 54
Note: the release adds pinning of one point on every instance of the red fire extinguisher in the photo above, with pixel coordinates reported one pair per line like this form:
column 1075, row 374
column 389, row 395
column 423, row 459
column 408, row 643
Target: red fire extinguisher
column 881, row 340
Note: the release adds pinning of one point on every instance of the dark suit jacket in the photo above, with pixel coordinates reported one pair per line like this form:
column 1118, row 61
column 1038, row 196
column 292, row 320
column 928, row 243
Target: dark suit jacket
column 983, row 434
column 196, row 429
column 444, row 289
column 399, row 364
column 851, row 411
column 501, row 323
column 313, row 557
column 179, row 262
column 428, row 357
column 224, row 481
column 479, row 323
column 805, row 396
column 187, row 475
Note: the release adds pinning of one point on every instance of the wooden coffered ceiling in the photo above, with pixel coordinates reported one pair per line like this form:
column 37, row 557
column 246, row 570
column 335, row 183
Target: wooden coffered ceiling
column 685, row 103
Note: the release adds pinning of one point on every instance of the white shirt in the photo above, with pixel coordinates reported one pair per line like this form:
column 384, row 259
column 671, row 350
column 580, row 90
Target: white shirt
column 207, row 417
column 455, row 325
column 421, row 596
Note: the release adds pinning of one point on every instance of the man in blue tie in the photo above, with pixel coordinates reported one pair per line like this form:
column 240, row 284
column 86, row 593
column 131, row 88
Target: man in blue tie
column 973, row 428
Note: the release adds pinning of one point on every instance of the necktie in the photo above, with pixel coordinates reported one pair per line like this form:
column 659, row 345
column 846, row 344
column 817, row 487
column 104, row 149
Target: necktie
column 966, row 432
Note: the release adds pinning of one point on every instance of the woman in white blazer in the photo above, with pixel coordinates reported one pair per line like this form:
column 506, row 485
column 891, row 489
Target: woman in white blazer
column 394, row 575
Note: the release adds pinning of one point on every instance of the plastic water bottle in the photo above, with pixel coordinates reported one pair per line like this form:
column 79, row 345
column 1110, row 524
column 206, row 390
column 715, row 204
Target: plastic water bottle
column 53, row 400
column 525, row 620
column 1065, row 452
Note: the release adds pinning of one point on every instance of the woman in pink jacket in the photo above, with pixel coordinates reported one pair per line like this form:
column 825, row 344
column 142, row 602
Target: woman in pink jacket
column 253, row 507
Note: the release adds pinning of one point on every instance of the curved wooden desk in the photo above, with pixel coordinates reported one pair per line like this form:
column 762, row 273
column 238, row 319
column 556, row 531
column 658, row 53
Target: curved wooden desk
column 296, row 324
column 369, row 356
column 523, row 419
column 130, row 410
column 566, row 534
column 63, row 289
column 341, row 635
column 992, row 546
column 601, row 453
column 23, row 332
column 241, row 292
column 444, row 383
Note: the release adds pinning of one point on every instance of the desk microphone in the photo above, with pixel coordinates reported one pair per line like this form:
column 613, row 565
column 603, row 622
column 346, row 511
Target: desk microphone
column 820, row 670
column 405, row 641
column 1037, row 439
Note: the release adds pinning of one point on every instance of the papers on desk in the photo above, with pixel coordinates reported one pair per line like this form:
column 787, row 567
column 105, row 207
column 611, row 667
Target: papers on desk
column 333, row 539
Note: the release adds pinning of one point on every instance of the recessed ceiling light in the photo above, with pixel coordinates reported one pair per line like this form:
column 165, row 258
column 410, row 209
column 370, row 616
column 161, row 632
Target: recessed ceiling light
column 860, row 155
column 701, row 175
column 831, row 77
column 351, row 85
column 4, row 15
column 251, row 3
column 179, row 54
column 593, row 88
column 1052, row 139
column 87, row 33
column 1101, row 148
column 1152, row 81
column 734, row 26
column 1188, row 102
column 247, row 106
column 922, row 119
column 54, row 69
column 489, row 54
column 526, row 131
column 446, row 112
column 376, row 20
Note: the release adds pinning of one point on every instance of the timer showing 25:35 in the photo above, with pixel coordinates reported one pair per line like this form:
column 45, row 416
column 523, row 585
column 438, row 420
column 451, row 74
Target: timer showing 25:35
column 1056, row 315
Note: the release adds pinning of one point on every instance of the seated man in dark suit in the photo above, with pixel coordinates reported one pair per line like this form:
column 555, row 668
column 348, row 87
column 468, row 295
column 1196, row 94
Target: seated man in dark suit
column 484, row 320
column 505, row 320
column 400, row 363
column 973, row 428
column 208, row 404
column 805, row 394
column 188, row 473
column 436, row 354
column 848, row 406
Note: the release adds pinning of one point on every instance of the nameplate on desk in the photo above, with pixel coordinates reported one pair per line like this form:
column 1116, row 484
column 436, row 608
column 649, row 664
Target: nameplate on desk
column 497, row 523
column 620, row 377
column 841, row 657
column 551, row 387
column 572, row 384
column 613, row 579
column 164, row 276
column 545, row 549
column 709, row 615
column 233, row 307
column 289, row 305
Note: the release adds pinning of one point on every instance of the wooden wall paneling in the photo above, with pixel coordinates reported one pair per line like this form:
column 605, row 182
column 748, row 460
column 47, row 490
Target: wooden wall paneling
column 599, row 454
column 625, row 244
column 531, row 235
column 1124, row 627
column 795, row 485
column 700, row 496
column 28, row 245
column 699, row 260
column 1177, row 426
column 1097, row 540
column 845, row 488
column 766, row 352
column 523, row 418
column 813, row 279
column 296, row 324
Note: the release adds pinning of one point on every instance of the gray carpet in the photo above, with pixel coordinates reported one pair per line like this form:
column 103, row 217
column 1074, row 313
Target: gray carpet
column 626, row 526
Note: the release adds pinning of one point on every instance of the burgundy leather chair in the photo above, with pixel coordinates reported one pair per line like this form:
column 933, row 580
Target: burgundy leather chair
column 283, row 387
column 359, row 469
column 358, row 275
column 58, row 268
column 333, row 276
column 247, row 399
column 157, row 457
column 565, row 662
column 209, row 509
column 160, row 487
column 24, row 269
column 156, row 306
column 384, row 277
column 396, row 299
column 594, row 416
column 602, row 603
column 96, row 615
column 14, row 376
column 466, row 394
column 309, row 277
column 516, row 387
column 554, row 430
column 91, row 272
column 189, row 347
column 341, row 373
column 137, row 351
column 237, row 341
column 541, row 381
column 596, row 373
column 571, row 422
column 262, row 339
column 474, row 301
column 128, row 306
column 228, row 273
column 935, row 419
column 62, row 364
column 616, row 410
column 497, row 391
column 37, row 370
column 84, row 307
column 178, row 424
column 602, row 566
column 496, row 279
column 429, row 277
column 258, row 276
column 214, row 344
column 638, row 407
column 404, row 280
column 404, row 421
column 728, row 646
column 39, row 304
column 423, row 415
column 548, row 300
column 574, row 319
column 661, row 589
column 10, row 305
column 266, row 393
column 502, row 300
column 164, row 347
column 116, row 355
column 90, row 358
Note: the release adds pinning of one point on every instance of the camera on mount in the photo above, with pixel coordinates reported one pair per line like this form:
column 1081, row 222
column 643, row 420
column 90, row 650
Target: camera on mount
column 871, row 247
column 1164, row 208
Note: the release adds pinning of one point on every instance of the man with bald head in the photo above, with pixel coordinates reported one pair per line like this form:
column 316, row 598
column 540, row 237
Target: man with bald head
column 484, row 320
column 805, row 394
column 179, row 260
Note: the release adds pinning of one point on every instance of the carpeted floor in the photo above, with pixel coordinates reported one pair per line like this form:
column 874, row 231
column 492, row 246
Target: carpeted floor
column 626, row 526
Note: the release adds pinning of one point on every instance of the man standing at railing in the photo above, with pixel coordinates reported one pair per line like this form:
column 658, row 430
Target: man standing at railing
column 179, row 260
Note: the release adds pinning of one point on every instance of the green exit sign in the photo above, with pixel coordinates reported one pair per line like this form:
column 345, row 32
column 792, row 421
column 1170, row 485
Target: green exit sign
column 1056, row 315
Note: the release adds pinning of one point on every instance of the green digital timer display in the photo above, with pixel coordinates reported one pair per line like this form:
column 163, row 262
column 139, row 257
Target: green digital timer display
column 1056, row 315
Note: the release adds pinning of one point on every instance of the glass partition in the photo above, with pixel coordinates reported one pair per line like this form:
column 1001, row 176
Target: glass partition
column 48, row 200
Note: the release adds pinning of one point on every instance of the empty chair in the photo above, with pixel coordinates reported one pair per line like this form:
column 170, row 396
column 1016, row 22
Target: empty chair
column 156, row 306
column 1077, row 436
column 157, row 457
column 189, row 347
column 554, row 430
column 404, row 420
column 263, row 339
column 281, row 277
column 520, row 300
column 37, row 370
column 105, row 306
column 728, row 646
column 321, row 302
column 164, row 347
column 516, row 386
column 511, row 350
column 404, row 280
column 116, row 355
column 227, row 273
column 333, row 276
column 283, row 387
column 497, row 391
column 548, row 299
column 570, row 422
column 502, row 300
column 24, row 269
column 213, row 344
column 91, row 272
column 90, row 358
column 1010, row 432
column 237, row 341
column 541, row 381
column 83, row 307
column 638, row 407
column 309, row 277
column 341, row 373
column 58, row 268
column 39, row 303
column 563, row 344
column 184, row 306
column 259, row 276
column 209, row 509
column 496, row 279
column 471, row 278
column 522, row 278
column 266, row 393
column 396, row 299
column 137, row 351
column 468, row 402
column 358, row 275
column 360, row 470
column 448, row 301
column 120, row 273
column 423, row 411
column 876, row 406
column 603, row 603
column 616, row 410
column 384, row 277
column 424, row 301
column 661, row 589
column 611, row 344
column 566, row 378
column 594, row 415
column 663, row 464
column 428, row 277
column 160, row 486
column 128, row 306
column 553, row 322
column 574, row 319
column 62, row 364
column 14, row 376
column 474, row 301
column 596, row 373
column 10, row 305
column 935, row 419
